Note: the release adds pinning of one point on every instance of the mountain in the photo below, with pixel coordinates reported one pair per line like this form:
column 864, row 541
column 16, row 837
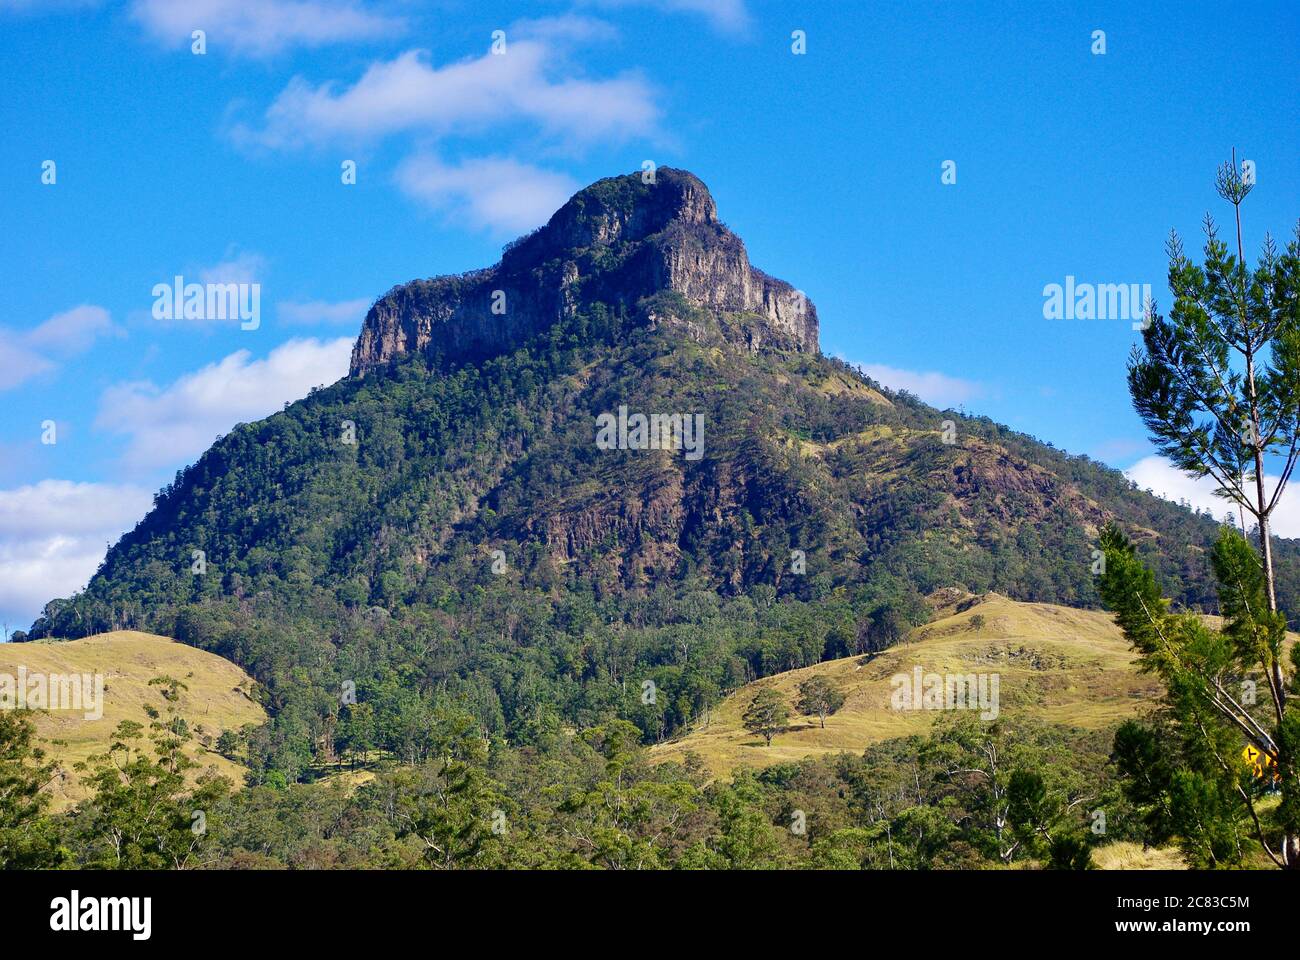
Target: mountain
column 471, row 516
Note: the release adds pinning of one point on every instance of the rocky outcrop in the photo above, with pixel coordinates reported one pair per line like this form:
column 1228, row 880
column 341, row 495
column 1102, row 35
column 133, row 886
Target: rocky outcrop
column 617, row 242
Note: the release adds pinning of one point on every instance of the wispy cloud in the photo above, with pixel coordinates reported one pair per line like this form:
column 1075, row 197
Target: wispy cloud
column 322, row 312
column 411, row 94
column 495, row 193
column 262, row 28
column 1117, row 449
column 53, row 536
column 18, row 363
column 934, row 388
column 46, row 6
column 73, row 331
column 26, row 354
column 1165, row 480
column 237, row 267
column 169, row 426
column 725, row 16
column 569, row 26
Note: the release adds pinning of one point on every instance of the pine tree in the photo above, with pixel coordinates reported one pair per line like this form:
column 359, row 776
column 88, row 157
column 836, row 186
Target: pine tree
column 1217, row 382
column 1184, row 770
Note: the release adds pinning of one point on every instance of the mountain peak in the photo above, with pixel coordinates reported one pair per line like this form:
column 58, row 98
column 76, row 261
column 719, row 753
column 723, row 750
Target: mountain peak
column 627, row 209
column 616, row 242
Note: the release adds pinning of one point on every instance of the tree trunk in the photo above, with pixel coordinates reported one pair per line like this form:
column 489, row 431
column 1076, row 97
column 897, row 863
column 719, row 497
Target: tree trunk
column 1265, row 538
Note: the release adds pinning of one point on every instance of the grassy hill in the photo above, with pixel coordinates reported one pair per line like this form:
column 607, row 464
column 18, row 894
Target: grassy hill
column 1055, row 664
column 219, row 696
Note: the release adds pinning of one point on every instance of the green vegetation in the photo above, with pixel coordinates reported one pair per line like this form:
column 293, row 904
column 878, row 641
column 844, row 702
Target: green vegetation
column 371, row 564
column 766, row 715
column 1218, row 383
column 28, row 838
column 970, row 794
column 215, row 698
column 962, row 793
column 1219, row 386
column 452, row 622
column 1183, row 768
column 817, row 695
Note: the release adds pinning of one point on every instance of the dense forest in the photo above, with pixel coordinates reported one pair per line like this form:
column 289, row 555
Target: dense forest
column 969, row 795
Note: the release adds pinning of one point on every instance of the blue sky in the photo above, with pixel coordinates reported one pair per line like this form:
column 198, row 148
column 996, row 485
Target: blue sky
column 227, row 166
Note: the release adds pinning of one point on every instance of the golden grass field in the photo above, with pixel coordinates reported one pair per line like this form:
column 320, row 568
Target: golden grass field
column 219, row 697
column 1126, row 855
column 1056, row 664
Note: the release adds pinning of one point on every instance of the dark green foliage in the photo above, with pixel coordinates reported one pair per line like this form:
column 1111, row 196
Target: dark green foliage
column 819, row 697
column 1183, row 769
column 766, row 714
column 144, row 815
column 969, row 795
column 27, row 838
column 1218, row 381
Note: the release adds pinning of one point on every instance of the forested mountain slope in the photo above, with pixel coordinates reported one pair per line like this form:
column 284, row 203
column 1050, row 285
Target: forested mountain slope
column 441, row 526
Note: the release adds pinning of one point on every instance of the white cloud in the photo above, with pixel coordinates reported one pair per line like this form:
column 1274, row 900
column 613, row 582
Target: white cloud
column 493, row 193
column 242, row 267
column 937, row 389
column 1164, row 479
column 727, row 16
column 411, row 94
column 73, row 331
column 23, row 353
column 568, row 26
column 312, row 312
column 53, row 536
column 17, row 363
column 168, row 426
column 260, row 28
column 46, row 6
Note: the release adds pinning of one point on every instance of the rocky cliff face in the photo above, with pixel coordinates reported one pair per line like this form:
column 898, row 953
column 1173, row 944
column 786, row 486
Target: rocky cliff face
column 616, row 242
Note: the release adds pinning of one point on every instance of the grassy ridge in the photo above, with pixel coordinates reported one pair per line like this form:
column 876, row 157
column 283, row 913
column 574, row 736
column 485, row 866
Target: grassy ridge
column 219, row 697
column 1055, row 664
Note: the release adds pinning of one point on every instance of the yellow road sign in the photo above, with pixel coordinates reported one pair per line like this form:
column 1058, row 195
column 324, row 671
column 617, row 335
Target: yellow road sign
column 1259, row 760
